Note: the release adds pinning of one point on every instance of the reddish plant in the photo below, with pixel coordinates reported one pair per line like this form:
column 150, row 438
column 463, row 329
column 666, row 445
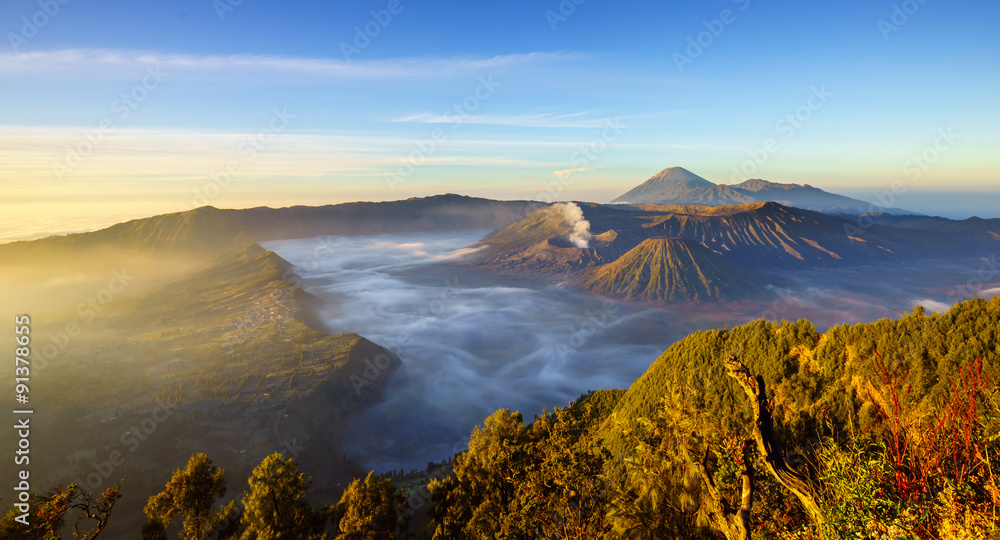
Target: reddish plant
column 890, row 413
column 924, row 453
column 949, row 444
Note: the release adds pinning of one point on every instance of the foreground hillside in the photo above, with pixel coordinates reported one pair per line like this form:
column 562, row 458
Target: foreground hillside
column 174, row 333
column 770, row 430
column 228, row 360
column 881, row 430
column 202, row 342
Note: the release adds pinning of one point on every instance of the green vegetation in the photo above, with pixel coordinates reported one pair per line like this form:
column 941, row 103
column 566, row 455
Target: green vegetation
column 275, row 507
column 882, row 430
column 516, row 481
column 886, row 430
column 191, row 493
column 368, row 510
column 226, row 360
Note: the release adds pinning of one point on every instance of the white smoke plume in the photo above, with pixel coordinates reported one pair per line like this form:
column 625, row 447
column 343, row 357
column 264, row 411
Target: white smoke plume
column 580, row 236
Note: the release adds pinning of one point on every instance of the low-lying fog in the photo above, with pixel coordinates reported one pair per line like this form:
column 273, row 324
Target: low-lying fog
column 468, row 348
column 473, row 344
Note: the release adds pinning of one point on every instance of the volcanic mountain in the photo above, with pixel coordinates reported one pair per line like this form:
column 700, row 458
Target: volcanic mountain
column 540, row 243
column 767, row 236
column 676, row 185
column 668, row 185
column 673, row 270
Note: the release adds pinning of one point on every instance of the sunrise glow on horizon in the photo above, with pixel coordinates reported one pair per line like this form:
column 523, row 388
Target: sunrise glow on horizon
column 256, row 103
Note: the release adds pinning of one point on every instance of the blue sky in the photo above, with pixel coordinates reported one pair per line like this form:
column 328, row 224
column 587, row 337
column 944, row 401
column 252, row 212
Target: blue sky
column 539, row 99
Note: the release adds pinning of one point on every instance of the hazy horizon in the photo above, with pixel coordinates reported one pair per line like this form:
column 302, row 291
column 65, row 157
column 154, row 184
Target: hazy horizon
column 18, row 224
column 167, row 106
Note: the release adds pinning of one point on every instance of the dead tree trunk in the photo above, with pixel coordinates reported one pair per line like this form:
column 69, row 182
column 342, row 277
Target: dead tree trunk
column 767, row 441
column 733, row 524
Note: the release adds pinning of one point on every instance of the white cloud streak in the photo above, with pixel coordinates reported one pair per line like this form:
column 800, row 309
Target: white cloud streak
column 110, row 62
column 182, row 157
column 569, row 172
column 546, row 120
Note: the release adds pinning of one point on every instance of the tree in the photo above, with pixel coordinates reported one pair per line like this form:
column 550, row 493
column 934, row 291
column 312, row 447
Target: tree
column 734, row 522
column 367, row 510
column 657, row 498
column 153, row 529
column 191, row 492
column 563, row 494
column 513, row 482
column 275, row 508
column 11, row 528
column 51, row 511
column 480, row 502
column 767, row 440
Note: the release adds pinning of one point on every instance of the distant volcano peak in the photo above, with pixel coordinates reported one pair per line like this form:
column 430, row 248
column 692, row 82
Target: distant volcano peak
column 670, row 182
column 677, row 185
column 680, row 177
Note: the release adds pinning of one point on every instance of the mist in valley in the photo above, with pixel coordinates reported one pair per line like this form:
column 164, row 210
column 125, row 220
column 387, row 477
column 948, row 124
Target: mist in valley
column 472, row 343
column 469, row 345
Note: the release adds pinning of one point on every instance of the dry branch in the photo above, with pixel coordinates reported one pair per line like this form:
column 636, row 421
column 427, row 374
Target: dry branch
column 767, row 441
column 733, row 524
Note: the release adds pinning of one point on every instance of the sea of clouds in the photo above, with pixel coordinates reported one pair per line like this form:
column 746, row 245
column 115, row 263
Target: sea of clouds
column 472, row 343
column 468, row 348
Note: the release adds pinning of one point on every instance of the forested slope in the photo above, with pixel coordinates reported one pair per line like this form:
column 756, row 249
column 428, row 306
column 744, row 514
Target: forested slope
column 888, row 430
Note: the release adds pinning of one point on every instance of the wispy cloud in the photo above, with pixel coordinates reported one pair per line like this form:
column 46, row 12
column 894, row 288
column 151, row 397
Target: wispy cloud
column 130, row 157
column 544, row 120
column 112, row 61
column 569, row 172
